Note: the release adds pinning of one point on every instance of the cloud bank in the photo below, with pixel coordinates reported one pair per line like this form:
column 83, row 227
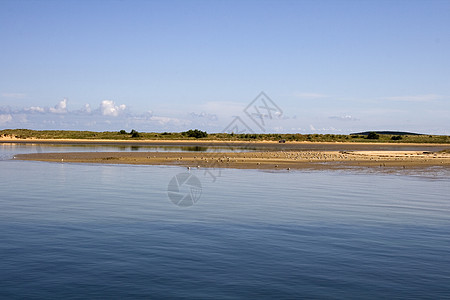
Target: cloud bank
column 109, row 108
column 216, row 117
column 60, row 108
column 107, row 116
column 5, row 118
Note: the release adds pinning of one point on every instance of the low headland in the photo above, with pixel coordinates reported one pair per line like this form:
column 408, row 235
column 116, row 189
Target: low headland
column 27, row 135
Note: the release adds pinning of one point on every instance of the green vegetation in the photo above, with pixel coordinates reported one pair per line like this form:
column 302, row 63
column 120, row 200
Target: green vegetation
column 388, row 132
column 396, row 137
column 373, row 136
column 134, row 133
column 198, row 134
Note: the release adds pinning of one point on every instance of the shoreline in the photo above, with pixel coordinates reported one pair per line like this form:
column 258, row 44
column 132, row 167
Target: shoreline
column 266, row 160
column 202, row 141
column 268, row 155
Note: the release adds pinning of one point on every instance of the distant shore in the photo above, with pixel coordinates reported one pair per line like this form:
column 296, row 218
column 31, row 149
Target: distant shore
column 194, row 136
column 200, row 142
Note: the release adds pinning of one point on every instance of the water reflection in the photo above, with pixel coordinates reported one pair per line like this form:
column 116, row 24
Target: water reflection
column 7, row 150
column 195, row 148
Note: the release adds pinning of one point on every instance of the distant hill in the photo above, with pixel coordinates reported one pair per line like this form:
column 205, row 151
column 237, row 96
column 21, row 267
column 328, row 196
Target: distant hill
column 387, row 132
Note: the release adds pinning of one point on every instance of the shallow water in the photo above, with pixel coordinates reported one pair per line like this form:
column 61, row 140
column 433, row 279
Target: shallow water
column 7, row 150
column 110, row 231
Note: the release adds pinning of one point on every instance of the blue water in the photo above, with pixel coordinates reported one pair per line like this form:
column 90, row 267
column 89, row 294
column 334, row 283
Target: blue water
column 110, row 231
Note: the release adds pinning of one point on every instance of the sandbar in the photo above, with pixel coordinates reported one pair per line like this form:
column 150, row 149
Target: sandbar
column 272, row 160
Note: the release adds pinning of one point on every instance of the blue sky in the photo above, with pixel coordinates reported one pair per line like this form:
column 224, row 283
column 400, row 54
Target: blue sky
column 330, row 66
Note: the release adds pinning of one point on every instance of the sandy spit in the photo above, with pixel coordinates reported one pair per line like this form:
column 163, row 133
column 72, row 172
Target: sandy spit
column 275, row 160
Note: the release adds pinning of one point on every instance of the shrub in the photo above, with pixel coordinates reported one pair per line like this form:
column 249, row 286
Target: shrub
column 195, row 133
column 396, row 137
column 134, row 133
column 373, row 136
column 122, row 132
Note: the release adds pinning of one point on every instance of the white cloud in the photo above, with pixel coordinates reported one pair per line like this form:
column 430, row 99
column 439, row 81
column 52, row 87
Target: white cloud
column 415, row 98
column 167, row 120
column 5, row 119
column 310, row 95
column 324, row 129
column 60, row 108
column 142, row 117
column 211, row 117
column 13, row 95
column 278, row 129
column 161, row 120
column 344, row 118
column 109, row 108
column 36, row 109
column 87, row 108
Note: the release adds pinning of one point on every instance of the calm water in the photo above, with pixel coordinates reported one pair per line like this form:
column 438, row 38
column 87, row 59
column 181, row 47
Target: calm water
column 110, row 231
column 7, row 150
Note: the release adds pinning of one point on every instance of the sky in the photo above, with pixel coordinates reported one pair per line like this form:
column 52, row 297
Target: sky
column 323, row 66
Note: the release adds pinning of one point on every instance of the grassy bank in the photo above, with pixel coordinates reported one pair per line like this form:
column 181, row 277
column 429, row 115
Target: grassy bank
column 134, row 135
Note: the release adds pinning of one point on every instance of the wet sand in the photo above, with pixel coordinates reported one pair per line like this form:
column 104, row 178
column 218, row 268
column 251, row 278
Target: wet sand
column 274, row 160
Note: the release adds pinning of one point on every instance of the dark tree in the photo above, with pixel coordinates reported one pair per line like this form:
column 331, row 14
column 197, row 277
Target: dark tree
column 373, row 136
column 134, row 133
column 195, row 133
